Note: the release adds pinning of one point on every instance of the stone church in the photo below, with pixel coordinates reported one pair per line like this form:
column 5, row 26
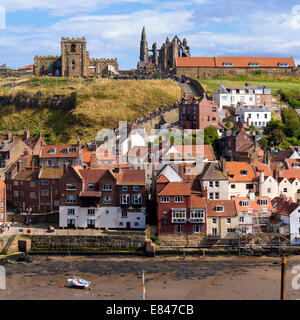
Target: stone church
column 163, row 59
column 74, row 62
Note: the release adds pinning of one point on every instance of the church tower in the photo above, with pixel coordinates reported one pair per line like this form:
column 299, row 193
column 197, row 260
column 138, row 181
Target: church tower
column 144, row 47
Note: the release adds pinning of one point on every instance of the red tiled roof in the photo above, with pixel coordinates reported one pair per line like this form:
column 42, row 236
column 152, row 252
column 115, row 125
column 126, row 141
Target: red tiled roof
column 131, row 177
column 195, row 62
column 51, row 173
column 176, row 189
column 254, row 205
column 260, row 166
column 234, row 168
column 26, row 67
column 239, row 62
column 284, row 207
column 289, row 174
column 228, row 205
column 162, row 179
column 197, row 201
column 58, row 151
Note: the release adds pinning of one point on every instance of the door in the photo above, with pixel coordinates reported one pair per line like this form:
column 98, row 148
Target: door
column 128, row 226
column 71, row 223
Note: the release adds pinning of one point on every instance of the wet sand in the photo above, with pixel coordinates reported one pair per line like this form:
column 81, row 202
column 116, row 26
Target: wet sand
column 119, row 278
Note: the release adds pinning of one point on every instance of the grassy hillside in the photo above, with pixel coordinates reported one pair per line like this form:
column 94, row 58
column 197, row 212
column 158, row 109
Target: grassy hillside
column 101, row 103
column 282, row 85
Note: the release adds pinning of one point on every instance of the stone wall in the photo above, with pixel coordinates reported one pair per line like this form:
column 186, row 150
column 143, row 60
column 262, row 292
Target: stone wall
column 52, row 218
column 111, row 241
column 203, row 72
column 26, row 101
column 159, row 120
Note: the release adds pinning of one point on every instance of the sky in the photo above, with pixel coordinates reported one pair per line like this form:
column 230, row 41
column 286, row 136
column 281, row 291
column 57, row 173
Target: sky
column 113, row 28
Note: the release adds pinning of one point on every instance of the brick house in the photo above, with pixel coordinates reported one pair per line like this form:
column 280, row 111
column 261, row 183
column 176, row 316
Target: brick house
column 178, row 210
column 198, row 114
column 99, row 198
column 35, row 188
column 54, row 156
column 239, row 146
column 2, row 201
column 10, row 151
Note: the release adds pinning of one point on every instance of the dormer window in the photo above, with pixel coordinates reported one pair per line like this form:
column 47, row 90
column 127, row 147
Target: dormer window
column 52, row 150
column 65, row 150
column 244, row 203
column 254, row 64
column 231, row 176
column 263, row 202
column 283, row 65
column 243, row 172
column 91, row 186
column 72, row 150
column 228, row 64
column 219, row 209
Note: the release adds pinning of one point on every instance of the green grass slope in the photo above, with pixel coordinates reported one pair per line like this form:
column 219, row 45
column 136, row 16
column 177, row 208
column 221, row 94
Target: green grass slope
column 101, row 103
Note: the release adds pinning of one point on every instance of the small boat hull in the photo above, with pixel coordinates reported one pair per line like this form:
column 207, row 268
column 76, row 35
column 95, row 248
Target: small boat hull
column 79, row 283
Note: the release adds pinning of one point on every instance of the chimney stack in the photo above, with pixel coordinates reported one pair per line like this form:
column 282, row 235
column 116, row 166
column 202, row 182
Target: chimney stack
column 224, row 166
column 65, row 167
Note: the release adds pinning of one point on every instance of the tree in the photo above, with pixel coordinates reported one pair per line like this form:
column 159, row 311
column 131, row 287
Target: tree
column 276, row 137
column 274, row 124
column 210, row 135
column 263, row 142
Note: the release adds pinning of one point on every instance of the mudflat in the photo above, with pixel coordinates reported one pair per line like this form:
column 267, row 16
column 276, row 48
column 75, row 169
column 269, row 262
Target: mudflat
column 166, row 277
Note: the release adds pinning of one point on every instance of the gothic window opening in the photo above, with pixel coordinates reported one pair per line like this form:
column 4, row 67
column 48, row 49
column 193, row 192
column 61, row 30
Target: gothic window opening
column 73, row 64
column 73, row 47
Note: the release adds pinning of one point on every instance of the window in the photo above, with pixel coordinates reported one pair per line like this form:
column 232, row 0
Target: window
column 121, row 224
column 73, row 65
column 136, row 224
column 197, row 229
column 91, row 212
column 135, row 188
column 71, row 199
column 73, row 47
column 107, row 199
column 233, row 186
column 178, row 215
column 32, row 195
column 254, row 64
column 211, row 184
column 214, row 220
column 214, row 109
column 214, row 231
column 269, row 190
column 244, row 172
column 52, row 151
column 65, row 150
column 224, row 98
column 283, row 65
column 107, row 187
column 124, row 214
column 244, row 203
column 228, row 64
column 178, row 229
column 208, row 118
column 241, row 219
column 91, row 223
column 124, row 188
column 249, row 186
column 70, row 186
column 263, row 202
column 217, row 195
column 178, row 199
column 211, row 195
column 91, row 186
column 44, row 182
column 32, row 184
column 231, row 176
column 242, row 98
column 228, row 220
column 284, row 189
column 45, row 192
column 136, row 199
column 197, row 214
column 230, row 230
column 164, row 199
column 219, row 208
column 125, row 198
column 217, row 184
column 165, row 214
column 71, row 211
column 56, row 203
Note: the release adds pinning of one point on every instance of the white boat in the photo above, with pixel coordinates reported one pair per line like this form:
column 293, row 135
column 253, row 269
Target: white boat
column 79, row 283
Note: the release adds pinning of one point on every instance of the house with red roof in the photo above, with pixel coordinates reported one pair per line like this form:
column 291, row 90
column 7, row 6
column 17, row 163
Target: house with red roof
column 102, row 198
column 179, row 209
